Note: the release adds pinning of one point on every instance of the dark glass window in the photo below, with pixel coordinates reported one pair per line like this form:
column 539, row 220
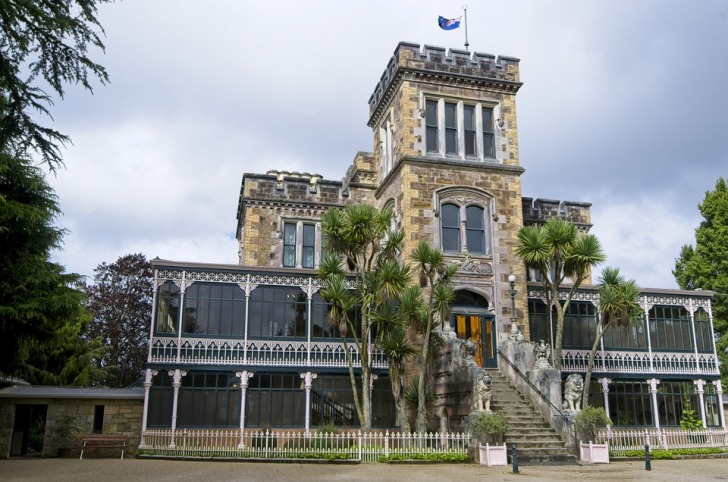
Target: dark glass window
column 670, row 328
column 712, row 406
column 167, row 308
column 703, row 336
column 289, row 245
column 98, row 419
column 209, row 400
column 625, row 337
column 160, row 401
column 673, row 398
column 275, row 400
column 475, row 229
column 431, row 123
column 309, row 245
column 451, row 128
column 471, row 140
column 277, row 311
column 488, row 134
column 580, row 325
column 538, row 320
column 214, row 309
column 630, row 404
column 450, row 219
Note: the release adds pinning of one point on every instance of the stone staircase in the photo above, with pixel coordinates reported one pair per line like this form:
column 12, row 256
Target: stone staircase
column 537, row 442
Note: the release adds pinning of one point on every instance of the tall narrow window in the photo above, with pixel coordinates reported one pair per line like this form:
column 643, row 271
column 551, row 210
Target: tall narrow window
column 309, row 245
column 475, row 229
column 98, row 419
column 431, row 123
column 471, row 142
column 450, row 227
column 167, row 308
column 488, row 134
column 289, row 245
column 451, row 128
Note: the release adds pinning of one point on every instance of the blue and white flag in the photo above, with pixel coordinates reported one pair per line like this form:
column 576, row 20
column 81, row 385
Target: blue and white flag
column 448, row 23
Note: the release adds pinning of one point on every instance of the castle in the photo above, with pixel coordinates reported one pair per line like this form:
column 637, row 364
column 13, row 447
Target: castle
column 250, row 346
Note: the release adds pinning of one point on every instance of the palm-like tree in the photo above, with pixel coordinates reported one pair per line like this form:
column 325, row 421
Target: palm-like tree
column 561, row 254
column 359, row 243
column 435, row 276
column 618, row 306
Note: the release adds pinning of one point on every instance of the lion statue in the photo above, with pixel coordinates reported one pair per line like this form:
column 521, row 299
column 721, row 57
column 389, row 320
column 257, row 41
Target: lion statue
column 483, row 394
column 573, row 389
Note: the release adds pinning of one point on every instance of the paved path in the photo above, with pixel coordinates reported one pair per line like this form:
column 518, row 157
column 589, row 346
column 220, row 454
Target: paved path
column 96, row 470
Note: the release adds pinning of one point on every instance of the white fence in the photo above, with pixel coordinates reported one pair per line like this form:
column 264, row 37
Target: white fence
column 354, row 446
column 620, row 441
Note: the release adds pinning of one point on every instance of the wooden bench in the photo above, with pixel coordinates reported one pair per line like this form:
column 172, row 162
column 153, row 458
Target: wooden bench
column 104, row 441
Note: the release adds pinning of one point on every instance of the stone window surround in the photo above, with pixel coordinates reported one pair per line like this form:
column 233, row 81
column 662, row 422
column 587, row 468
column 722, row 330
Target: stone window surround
column 299, row 240
column 464, row 197
column 498, row 139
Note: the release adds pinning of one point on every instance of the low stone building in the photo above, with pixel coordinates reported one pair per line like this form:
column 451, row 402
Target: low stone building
column 33, row 418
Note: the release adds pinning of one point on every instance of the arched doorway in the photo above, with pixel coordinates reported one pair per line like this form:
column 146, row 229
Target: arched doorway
column 472, row 320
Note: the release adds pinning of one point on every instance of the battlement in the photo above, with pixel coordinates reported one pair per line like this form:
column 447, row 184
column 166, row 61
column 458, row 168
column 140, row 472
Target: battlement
column 453, row 63
column 538, row 211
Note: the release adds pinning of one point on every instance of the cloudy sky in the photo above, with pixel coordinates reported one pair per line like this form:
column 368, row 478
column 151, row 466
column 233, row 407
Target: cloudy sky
column 624, row 105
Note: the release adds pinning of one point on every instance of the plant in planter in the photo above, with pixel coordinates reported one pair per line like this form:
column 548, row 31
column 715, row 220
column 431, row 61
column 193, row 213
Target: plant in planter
column 66, row 431
column 586, row 424
column 490, row 428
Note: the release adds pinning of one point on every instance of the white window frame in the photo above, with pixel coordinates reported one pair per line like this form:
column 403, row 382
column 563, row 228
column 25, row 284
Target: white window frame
column 386, row 140
column 460, row 124
column 298, row 263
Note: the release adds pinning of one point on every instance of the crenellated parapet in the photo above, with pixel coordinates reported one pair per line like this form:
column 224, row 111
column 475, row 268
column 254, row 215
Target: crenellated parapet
column 481, row 70
column 538, row 211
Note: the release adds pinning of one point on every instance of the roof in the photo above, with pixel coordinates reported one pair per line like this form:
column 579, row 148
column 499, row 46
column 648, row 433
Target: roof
column 38, row 391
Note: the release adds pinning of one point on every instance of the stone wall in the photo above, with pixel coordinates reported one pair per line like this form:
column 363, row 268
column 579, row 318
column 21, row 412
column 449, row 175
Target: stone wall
column 120, row 417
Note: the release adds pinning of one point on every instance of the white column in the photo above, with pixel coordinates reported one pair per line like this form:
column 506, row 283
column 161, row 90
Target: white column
column 244, row 376
column 646, row 307
column 653, row 389
column 605, row 392
column 147, row 386
column 373, row 376
column 183, row 285
column 176, row 383
column 247, row 287
column 691, row 310
column 308, row 379
column 701, row 399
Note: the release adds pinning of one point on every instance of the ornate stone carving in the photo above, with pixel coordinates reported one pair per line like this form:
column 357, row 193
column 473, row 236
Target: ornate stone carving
column 468, row 265
column 573, row 389
column 542, row 350
column 483, row 394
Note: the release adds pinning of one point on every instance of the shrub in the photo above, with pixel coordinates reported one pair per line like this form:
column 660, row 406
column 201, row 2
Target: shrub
column 488, row 427
column 588, row 421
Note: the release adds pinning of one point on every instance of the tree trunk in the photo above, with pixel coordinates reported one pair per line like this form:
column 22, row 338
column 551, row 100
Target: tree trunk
column 590, row 365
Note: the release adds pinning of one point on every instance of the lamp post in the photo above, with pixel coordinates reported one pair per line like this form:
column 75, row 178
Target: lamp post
column 515, row 335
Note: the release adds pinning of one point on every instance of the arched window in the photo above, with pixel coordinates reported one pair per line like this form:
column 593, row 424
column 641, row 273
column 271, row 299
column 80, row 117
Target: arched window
column 450, row 227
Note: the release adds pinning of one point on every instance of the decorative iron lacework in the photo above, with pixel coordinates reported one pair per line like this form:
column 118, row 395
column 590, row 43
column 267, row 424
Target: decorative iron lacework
column 237, row 278
column 270, row 352
column 593, row 296
column 641, row 362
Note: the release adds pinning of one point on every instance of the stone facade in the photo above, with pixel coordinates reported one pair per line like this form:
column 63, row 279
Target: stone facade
column 121, row 416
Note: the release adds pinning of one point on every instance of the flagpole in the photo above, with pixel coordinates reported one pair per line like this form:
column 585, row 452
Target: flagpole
column 465, row 9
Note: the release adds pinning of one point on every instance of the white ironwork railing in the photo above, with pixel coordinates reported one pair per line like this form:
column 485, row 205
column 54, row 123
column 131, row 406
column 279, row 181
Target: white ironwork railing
column 641, row 362
column 270, row 352
column 355, row 446
column 620, row 441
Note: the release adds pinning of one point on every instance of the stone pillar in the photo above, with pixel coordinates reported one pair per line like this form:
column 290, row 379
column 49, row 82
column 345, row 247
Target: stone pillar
column 176, row 375
column 653, row 389
column 147, row 386
column 605, row 393
column 308, row 379
column 244, row 377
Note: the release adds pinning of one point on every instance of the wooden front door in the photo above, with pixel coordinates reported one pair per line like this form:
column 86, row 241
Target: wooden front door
column 480, row 329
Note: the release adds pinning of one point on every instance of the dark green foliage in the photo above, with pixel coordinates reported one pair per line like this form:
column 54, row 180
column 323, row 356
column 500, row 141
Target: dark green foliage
column 43, row 43
column 120, row 302
column 488, row 427
column 705, row 266
column 588, row 421
column 437, row 457
column 660, row 454
column 42, row 318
